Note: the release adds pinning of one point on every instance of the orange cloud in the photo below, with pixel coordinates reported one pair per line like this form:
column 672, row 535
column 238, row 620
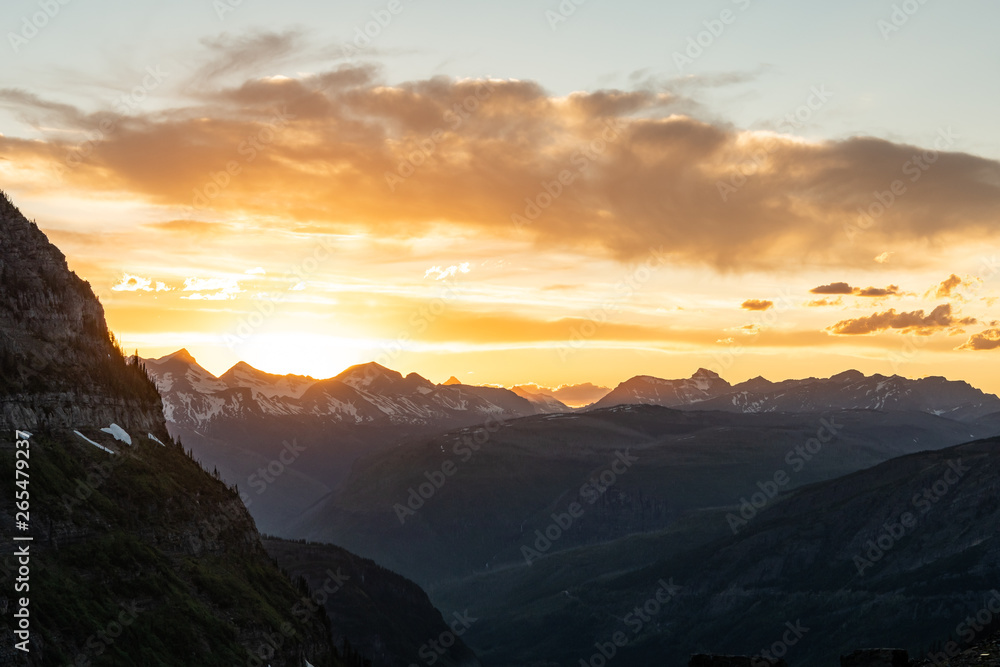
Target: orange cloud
column 946, row 287
column 912, row 322
column 846, row 289
column 757, row 304
column 833, row 288
column 891, row 290
column 819, row 303
column 985, row 340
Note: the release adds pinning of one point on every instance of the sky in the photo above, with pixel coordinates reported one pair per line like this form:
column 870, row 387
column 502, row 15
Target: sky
column 522, row 192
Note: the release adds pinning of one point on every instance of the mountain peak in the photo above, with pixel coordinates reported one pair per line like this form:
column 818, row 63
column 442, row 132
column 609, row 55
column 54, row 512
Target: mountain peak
column 245, row 368
column 706, row 374
column 850, row 375
column 363, row 376
column 452, row 380
column 180, row 355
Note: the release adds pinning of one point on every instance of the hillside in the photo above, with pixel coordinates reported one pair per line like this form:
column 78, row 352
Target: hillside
column 383, row 615
column 842, row 557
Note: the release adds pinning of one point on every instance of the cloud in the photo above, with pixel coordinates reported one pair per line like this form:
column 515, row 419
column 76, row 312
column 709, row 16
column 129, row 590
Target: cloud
column 846, row 289
column 230, row 54
column 219, row 289
column 441, row 274
column 891, row 290
column 884, row 257
column 757, row 304
column 985, row 340
column 946, row 288
column 833, row 288
column 258, row 271
column 641, row 170
column 131, row 283
column 819, row 303
column 949, row 287
column 912, row 322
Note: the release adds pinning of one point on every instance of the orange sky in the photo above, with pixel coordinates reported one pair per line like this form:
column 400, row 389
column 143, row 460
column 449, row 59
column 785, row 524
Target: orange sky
column 489, row 229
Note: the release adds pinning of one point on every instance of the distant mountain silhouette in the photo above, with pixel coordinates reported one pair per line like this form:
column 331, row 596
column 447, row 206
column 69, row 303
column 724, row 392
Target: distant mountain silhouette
column 850, row 390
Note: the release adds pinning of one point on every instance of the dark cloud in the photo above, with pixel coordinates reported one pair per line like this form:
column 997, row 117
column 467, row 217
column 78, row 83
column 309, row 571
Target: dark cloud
column 985, row 340
column 833, row 288
column 846, row 289
column 891, row 290
column 757, row 304
column 912, row 322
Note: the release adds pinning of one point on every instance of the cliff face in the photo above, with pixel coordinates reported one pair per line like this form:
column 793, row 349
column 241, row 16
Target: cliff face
column 139, row 556
column 59, row 365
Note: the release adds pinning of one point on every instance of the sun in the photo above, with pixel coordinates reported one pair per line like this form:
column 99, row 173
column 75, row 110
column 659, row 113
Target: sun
column 302, row 353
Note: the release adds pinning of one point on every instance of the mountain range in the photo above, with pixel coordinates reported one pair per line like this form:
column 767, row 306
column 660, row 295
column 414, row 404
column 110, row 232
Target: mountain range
column 242, row 422
column 309, row 432
column 850, row 390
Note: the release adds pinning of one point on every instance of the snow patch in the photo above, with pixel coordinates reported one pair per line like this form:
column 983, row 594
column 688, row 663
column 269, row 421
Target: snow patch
column 118, row 433
column 155, row 439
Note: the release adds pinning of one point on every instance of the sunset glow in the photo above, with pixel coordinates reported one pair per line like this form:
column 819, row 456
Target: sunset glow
column 261, row 197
